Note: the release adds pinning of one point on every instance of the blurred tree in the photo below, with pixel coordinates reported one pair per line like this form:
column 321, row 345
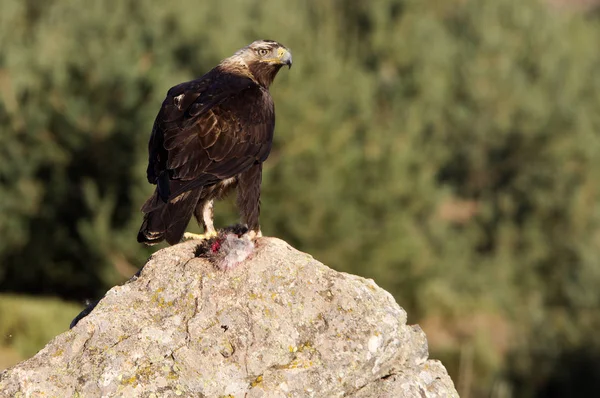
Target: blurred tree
column 449, row 150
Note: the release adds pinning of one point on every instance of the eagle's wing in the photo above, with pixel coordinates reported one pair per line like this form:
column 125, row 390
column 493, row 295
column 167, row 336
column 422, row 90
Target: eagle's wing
column 209, row 130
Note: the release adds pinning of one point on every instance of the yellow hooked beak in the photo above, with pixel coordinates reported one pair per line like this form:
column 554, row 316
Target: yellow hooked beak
column 285, row 56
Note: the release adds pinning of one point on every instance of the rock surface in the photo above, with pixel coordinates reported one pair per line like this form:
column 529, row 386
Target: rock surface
column 280, row 325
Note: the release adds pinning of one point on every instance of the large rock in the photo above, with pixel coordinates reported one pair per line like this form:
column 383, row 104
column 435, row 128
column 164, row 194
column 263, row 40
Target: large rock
column 279, row 325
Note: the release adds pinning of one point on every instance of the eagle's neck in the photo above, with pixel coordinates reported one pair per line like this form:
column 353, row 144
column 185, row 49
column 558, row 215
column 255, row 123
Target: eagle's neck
column 260, row 72
column 263, row 73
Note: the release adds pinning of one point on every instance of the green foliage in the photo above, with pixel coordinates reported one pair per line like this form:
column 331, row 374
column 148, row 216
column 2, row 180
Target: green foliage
column 28, row 324
column 449, row 150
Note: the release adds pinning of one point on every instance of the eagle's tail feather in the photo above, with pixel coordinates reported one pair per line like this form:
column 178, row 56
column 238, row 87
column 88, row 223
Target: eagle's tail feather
column 167, row 221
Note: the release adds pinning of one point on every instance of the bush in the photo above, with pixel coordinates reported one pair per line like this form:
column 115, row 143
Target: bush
column 450, row 151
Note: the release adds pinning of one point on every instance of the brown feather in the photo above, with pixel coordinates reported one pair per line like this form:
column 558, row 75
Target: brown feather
column 167, row 221
column 248, row 199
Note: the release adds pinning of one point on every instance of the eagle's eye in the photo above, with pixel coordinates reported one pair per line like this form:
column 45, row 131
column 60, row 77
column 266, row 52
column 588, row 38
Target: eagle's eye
column 262, row 52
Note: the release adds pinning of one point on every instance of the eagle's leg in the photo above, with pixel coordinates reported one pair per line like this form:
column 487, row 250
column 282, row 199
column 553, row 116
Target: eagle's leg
column 204, row 215
column 248, row 199
column 207, row 218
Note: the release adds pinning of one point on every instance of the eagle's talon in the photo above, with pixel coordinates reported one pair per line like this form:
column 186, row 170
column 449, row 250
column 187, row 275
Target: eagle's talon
column 204, row 236
column 253, row 235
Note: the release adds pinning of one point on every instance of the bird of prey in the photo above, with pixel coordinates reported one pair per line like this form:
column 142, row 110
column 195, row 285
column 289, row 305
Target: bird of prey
column 211, row 135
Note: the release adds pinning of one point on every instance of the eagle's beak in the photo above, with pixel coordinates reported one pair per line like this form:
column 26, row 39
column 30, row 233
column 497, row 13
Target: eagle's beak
column 285, row 56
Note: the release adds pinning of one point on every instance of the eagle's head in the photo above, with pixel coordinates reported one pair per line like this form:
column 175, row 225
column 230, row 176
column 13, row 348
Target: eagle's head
column 262, row 59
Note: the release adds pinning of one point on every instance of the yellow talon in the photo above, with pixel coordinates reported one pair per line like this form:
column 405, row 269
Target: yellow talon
column 204, row 236
column 254, row 234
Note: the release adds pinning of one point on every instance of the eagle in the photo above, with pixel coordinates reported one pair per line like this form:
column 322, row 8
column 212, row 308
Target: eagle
column 210, row 136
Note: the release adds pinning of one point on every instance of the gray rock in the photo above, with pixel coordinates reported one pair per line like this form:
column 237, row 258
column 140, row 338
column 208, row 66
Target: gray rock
column 279, row 325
